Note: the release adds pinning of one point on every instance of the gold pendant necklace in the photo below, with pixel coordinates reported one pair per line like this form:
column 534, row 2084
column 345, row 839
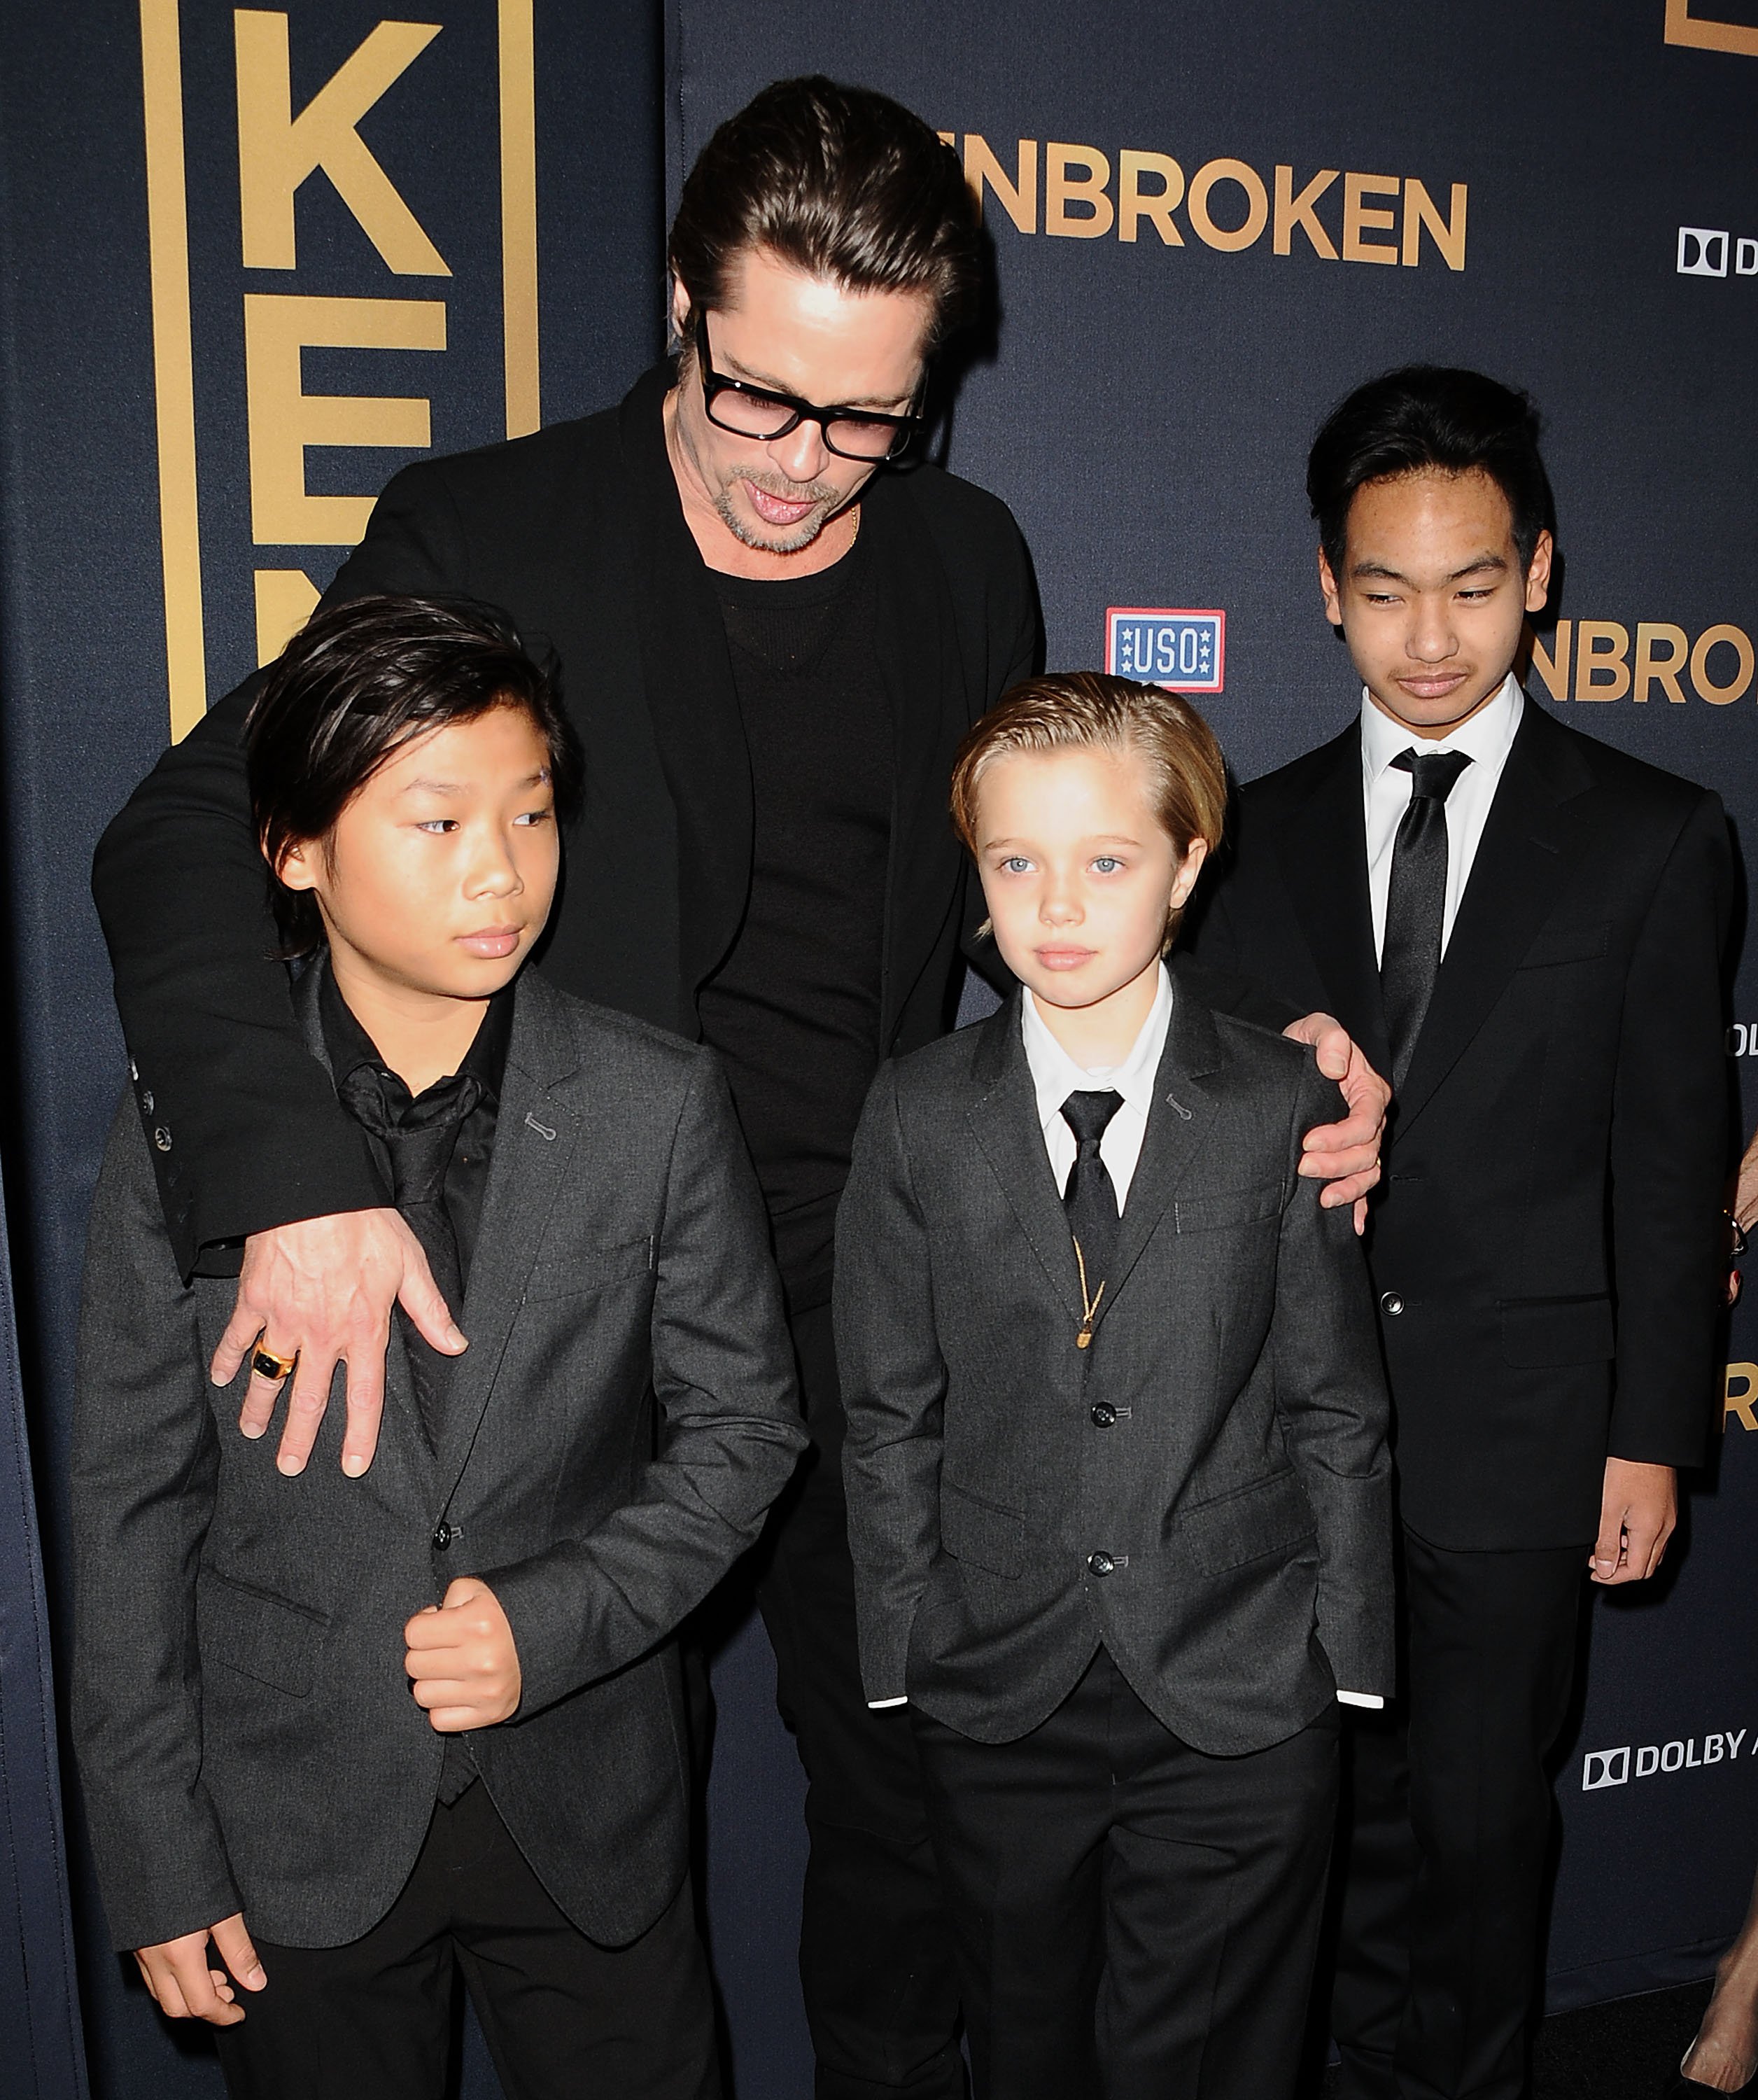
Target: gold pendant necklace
column 1089, row 1305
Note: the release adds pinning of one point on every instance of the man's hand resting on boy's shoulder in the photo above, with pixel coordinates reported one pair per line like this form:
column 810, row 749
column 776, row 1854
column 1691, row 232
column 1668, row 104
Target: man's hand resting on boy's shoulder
column 321, row 1289
column 462, row 1660
column 182, row 1985
column 1345, row 1156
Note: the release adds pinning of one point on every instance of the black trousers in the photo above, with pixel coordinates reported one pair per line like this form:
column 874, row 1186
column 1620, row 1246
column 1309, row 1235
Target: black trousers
column 876, row 1963
column 1135, row 1920
column 1446, row 1831
column 562, row 2016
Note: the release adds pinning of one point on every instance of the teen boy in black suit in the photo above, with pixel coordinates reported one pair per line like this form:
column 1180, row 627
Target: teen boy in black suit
column 543, row 1510
column 1118, row 1493
column 1524, row 927
column 771, row 643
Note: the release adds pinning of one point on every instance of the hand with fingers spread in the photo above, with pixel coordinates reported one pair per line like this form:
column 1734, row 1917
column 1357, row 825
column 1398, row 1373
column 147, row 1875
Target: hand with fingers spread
column 1637, row 1512
column 1346, row 1155
column 184, row 1988
column 321, row 1291
column 461, row 1660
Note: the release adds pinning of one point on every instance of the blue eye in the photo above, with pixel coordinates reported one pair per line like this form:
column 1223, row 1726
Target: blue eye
column 1108, row 863
column 1016, row 864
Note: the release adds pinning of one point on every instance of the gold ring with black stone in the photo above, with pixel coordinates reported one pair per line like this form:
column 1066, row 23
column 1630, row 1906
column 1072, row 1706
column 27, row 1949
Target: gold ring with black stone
column 266, row 1364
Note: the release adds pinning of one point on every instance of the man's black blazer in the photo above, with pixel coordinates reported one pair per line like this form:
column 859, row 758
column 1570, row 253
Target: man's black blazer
column 1547, row 1240
column 577, row 533
column 1206, row 1488
column 622, row 1422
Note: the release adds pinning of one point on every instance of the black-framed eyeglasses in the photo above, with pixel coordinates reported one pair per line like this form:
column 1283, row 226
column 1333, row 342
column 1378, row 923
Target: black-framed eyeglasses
column 758, row 412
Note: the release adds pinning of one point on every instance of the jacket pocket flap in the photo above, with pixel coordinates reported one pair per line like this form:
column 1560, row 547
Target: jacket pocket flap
column 977, row 1532
column 1567, row 944
column 1543, row 1334
column 590, row 1267
column 1247, row 1523
column 257, row 1634
column 1237, row 1206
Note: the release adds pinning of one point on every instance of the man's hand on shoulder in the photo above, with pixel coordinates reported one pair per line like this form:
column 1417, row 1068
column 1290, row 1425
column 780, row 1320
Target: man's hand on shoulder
column 182, row 1985
column 322, row 1289
column 1637, row 1512
column 462, row 1661
column 1346, row 1155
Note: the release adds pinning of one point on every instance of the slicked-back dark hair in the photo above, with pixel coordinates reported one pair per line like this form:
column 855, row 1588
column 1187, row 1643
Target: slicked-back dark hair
column 1429, row 416
column 841, row 182
column 354, row 685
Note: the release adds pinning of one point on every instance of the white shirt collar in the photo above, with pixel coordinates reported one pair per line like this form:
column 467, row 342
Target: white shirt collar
column 1485, row 738
column 1056, row 1075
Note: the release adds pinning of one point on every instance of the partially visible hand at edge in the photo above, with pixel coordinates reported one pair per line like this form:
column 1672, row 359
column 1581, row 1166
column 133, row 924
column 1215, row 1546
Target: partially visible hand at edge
column 1346, row 1155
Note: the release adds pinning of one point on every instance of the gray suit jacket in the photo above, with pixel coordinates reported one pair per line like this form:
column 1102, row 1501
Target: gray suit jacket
column 622, row 1418
column 1204, row 1489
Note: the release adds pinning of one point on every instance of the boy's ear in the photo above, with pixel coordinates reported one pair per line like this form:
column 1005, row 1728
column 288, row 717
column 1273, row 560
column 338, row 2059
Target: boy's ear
column 298, row 866
column 1333, row 608
column 1538, row 573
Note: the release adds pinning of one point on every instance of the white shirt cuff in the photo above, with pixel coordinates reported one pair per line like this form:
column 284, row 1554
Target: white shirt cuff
column 1359, row 1699
column 876, row 1704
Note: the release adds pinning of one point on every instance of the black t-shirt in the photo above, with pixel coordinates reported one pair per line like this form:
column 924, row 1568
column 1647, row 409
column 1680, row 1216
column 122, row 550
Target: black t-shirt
column 794, row 1009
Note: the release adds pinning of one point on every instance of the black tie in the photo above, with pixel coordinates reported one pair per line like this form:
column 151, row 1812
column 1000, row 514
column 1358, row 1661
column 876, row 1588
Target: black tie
column 1416, row 902
column 1090, row 1199
column 421, row 1142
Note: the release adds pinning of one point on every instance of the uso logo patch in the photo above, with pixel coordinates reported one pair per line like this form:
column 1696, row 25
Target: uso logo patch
column 1184, row 650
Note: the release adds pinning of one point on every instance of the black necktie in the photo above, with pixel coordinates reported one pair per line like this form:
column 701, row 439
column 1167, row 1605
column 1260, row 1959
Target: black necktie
column 1090, row 1199
column 420, row 1140
column 1416, row 904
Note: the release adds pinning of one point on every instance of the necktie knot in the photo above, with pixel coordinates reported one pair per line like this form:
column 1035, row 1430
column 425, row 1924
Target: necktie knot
column 418, row 1134
column 1434, row 774
column 1087, row 1114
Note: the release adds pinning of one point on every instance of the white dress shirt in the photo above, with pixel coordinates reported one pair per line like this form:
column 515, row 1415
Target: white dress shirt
column 1055, row 1076
column 1486, row 739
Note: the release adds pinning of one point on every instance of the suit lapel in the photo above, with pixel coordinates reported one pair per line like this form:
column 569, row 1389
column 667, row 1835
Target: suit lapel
column 1324, row 857
column 1520, row 866
column 688, row 675
column 535, row 1138
column 1177, row 1128
column 1003, row 1119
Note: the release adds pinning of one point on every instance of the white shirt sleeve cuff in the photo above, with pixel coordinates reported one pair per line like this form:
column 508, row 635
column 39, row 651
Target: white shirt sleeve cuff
column 876, row 1704
column 1359, row 1699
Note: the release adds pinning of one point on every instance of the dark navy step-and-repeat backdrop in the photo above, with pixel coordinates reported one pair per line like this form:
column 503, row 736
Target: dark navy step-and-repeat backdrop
column 251, row 260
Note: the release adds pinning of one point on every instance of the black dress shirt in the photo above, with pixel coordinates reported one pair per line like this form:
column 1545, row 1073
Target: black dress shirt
column 352, row 1050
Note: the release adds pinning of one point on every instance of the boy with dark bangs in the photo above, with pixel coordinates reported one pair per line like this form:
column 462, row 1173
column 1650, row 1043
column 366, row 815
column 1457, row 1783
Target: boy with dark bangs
column 295, row 1848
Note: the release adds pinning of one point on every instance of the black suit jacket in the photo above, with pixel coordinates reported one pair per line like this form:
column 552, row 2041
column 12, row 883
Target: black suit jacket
column 1220, row 1447
column 1547, row 1239
column 577, row 533
column 624, row 1417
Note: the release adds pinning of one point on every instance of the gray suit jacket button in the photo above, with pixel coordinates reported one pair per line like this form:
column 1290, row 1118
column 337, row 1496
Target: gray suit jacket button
column 1102, row 1414
column 1101, row 1564
column 442, row 1536
column 1391, row 1302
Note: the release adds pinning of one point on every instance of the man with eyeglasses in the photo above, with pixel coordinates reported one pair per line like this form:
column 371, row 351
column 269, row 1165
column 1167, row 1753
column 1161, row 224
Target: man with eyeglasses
column 771, row 648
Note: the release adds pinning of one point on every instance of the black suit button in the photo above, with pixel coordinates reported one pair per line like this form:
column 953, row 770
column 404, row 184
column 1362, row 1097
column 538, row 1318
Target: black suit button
column 442, row 1536
column 1390, row 1303
column 1101, row 1564
column 1104, row 1414
column 161, row 1137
